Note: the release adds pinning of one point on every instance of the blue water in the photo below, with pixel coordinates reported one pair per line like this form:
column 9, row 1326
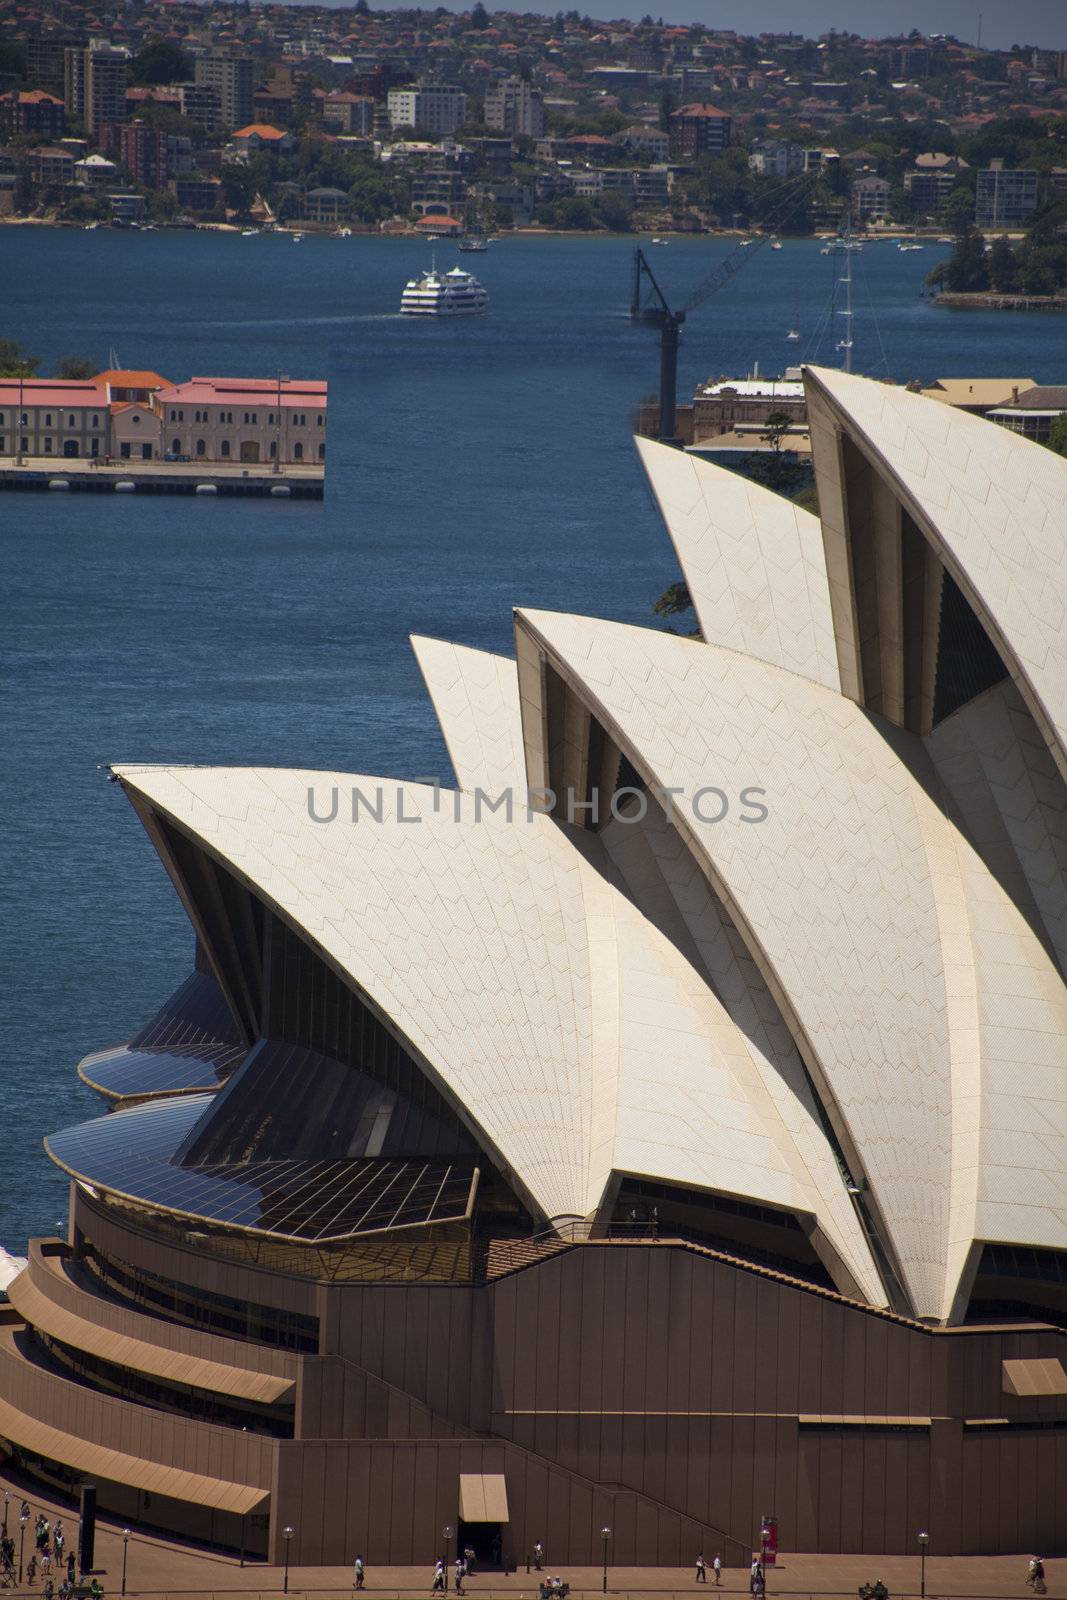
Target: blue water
column 472, row 466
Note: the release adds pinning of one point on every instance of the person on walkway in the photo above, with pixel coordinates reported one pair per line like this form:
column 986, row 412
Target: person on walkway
column 71, row 1569
column 459, row 1574
column 59, row 1539
column 359, row 1572
column 1035, row 1575
column 496, row 1550
column 755, row 1579
column 438, row 1579
column 468, row 1561
column 538, row 1556
column 716, row 1567
column 702, row 1569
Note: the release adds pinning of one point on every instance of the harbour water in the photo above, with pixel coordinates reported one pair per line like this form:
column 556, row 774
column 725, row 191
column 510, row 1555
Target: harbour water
column 473, row 465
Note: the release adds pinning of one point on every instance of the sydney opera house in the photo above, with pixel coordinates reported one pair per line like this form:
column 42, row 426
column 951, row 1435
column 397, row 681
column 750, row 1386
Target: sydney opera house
column 665, row 1128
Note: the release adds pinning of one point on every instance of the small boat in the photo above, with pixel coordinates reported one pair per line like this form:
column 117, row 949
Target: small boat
column 472, row 243
column 661, row 241
column 745, row 242
column 776, row 244
column 298, row 238
column 249, row 233
column 793, row 336
column 343, row 233
column 443, row 294
column 433, row 237
column 904, row 248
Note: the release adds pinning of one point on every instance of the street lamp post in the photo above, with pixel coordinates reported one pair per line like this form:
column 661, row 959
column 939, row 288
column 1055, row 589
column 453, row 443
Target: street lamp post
column 125, row 1548
column 924, row 1540
column 287, row 1534
column 7, row 1500
column 283, row 377
column 24, row 1517
column 446, row 1533
column 605, row 1534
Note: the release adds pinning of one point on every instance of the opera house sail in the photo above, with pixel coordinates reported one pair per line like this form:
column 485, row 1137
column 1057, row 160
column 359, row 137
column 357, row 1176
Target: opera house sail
column 665, row 1126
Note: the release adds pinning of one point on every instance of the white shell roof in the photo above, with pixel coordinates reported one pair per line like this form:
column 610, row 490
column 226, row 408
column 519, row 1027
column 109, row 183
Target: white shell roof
column 476, row 697
column 872, row 919
column 753, row 562
column 995, row 507
column 572, row 1034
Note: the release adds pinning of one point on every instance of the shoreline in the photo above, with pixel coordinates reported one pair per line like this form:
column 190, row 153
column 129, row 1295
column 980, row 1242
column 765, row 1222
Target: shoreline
column 311, row 231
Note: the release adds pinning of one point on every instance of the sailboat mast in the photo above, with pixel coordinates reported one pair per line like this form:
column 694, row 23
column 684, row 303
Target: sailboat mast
column 847, row 313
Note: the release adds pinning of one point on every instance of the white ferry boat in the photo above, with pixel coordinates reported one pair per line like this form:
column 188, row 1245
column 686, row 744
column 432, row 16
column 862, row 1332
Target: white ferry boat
column 443, row 294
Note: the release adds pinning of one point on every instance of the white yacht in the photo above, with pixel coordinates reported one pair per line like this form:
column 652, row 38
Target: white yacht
column 443, row 294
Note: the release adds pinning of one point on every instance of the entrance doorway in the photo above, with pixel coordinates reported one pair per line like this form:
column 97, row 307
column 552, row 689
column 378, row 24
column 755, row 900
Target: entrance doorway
column 249, row 450
column 486, row 1539
column 70, row 447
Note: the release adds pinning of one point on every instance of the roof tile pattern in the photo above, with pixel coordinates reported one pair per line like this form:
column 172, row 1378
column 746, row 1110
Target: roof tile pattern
column 753, row 562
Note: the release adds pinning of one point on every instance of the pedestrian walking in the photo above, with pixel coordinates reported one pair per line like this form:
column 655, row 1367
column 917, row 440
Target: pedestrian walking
column 438, row 1578
column 538, row 1556
column 71, row 1569
column 59, row 1539
column 460, row 1565
column 359, row 1572
column 468, row 1561
column 716, row 1567
column 702, row 1569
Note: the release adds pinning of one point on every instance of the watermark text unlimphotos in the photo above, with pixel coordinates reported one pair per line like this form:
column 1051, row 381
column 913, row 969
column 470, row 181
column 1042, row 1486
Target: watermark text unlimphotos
column 388, row 803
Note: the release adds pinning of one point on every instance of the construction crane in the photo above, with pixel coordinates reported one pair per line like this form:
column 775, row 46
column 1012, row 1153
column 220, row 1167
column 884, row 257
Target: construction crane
column 659, row 314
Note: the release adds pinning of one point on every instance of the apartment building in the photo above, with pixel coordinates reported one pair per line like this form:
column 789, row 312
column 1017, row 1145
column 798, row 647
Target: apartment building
column 231, row 79
column 202, row 104
column 437, row 108
column 870, row 199
column 31, row 111
column 349, row 113
column 514, row 106
column 699, row 130
column 1005, row 196
column 95, row 84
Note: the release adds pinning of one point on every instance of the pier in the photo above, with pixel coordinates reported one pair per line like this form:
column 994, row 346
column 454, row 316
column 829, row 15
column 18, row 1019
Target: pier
column 44, row 473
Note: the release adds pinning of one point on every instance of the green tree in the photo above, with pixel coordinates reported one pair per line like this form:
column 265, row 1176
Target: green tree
column 14, row 362
column 615, row 211
column 479, row 16
column 1003, row 267
column 967, row 270
column 160, row 62
column 74, row 368
column 1057, row 439
column 958, row 209
column 573, row 212
column 675, row 601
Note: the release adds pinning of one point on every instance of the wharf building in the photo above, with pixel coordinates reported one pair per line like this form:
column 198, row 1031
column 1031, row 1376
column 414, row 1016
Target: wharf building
column 628, row 1160
column 140, row 416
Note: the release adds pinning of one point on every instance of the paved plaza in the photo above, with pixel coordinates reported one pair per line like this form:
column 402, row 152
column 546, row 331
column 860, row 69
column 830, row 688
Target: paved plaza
column 157, row 1566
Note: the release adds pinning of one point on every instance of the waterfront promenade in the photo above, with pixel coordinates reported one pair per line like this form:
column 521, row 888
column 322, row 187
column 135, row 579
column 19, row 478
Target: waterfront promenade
column 159, row 1567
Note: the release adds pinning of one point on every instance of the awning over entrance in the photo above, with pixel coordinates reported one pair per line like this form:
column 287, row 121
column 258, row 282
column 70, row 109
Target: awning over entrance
column 1034, row 1376
column 483, row 1497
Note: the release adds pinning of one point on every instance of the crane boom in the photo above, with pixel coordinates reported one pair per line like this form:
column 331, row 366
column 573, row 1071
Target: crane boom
column 669, row 322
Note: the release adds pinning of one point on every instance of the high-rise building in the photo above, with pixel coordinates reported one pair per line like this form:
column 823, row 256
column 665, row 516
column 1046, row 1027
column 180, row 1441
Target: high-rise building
column 44, row 59
column 1004, row 196
column 699, row 130
column 436, row 108
column 94, row 84
column 231, row 78
column 201, row 104
column 514, row 106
